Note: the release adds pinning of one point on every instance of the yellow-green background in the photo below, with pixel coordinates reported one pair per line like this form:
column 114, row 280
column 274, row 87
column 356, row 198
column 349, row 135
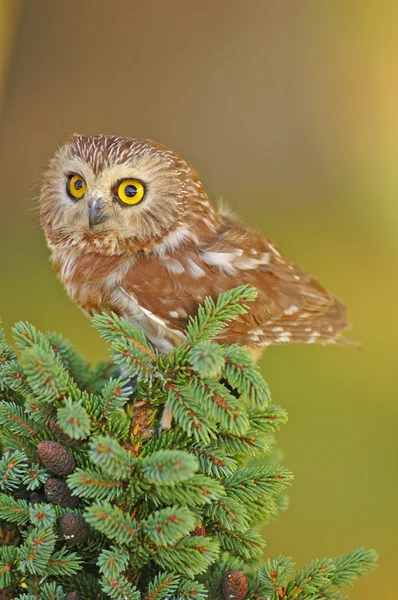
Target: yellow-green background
column 289, row 109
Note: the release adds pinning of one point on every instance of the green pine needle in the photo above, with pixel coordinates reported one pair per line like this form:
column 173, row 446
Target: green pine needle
column 190, row 556
column 213, row 317
column 13, row 416
column 120, row 588
column 207, row 359
column 8, row 560
column 189, row 414
column 112, row 522
column 196, row 491
column 42, row 514
column 37, row 550
column 35, row 477
column 165, row 527
column 162, row 586
column 113, row 562
column 73, row 419
column 13, row 510
column 168, row 467
column 12, row 469
column 64, row 563
column 190, row 590
column 352, row 565
column 92, row 483
column 111, row 457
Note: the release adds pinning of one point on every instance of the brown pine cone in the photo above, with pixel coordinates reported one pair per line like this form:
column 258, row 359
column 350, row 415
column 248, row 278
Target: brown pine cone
column 57, row 432
column 58, row 492
column 74, row 528
column 56, row 458
column 234, row 585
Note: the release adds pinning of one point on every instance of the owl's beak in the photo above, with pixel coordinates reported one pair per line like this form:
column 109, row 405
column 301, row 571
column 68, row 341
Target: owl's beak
column 95, row 212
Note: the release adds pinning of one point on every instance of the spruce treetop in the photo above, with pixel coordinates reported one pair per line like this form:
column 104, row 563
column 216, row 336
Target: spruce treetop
column 95, row 503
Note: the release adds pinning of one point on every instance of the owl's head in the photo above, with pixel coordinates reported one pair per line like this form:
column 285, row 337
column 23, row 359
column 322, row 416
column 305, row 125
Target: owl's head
column 110, row 194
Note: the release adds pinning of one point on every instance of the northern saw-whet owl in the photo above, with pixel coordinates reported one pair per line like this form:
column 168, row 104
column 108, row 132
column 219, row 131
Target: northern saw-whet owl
column 131, row 230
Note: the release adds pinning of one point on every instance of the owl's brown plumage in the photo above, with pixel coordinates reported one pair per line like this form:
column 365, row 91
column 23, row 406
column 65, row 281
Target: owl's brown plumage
column 153, row 259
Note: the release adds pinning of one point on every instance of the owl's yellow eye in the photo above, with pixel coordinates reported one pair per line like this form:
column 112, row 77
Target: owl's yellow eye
column 77, row 187
column 130, row 191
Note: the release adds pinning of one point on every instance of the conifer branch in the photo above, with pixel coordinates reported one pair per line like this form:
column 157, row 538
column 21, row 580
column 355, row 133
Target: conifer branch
column 96, row 504
column 213, row 317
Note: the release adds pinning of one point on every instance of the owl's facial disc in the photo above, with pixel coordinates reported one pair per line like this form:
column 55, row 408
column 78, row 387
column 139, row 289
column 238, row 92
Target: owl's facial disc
column 110, row 195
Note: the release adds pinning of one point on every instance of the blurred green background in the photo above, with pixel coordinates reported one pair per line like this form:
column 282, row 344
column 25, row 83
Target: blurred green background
column 289, row 110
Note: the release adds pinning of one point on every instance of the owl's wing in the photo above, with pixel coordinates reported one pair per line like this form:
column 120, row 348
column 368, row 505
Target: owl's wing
column 291, row 305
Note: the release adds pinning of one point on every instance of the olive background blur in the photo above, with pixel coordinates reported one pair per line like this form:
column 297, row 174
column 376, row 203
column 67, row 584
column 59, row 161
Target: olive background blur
column 289, row 111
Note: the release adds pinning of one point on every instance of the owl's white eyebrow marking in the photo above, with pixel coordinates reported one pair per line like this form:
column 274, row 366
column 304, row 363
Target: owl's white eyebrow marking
column 173, row 266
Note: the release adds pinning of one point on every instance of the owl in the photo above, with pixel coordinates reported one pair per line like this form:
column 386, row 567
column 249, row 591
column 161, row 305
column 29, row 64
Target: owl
column 131, row 230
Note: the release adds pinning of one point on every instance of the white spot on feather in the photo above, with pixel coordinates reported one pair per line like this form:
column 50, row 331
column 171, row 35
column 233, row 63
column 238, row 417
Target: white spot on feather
column 313, row 337
column 284, row 337
column 174, row 239
column 195, row 270
column 173, row 314
column 173, row 266
column 220, row 259
column 292, row 310
column 274, row 250
column 264, row 258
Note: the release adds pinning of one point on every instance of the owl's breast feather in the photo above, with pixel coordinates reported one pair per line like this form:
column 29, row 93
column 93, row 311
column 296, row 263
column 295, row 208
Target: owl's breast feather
column 95, row 283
